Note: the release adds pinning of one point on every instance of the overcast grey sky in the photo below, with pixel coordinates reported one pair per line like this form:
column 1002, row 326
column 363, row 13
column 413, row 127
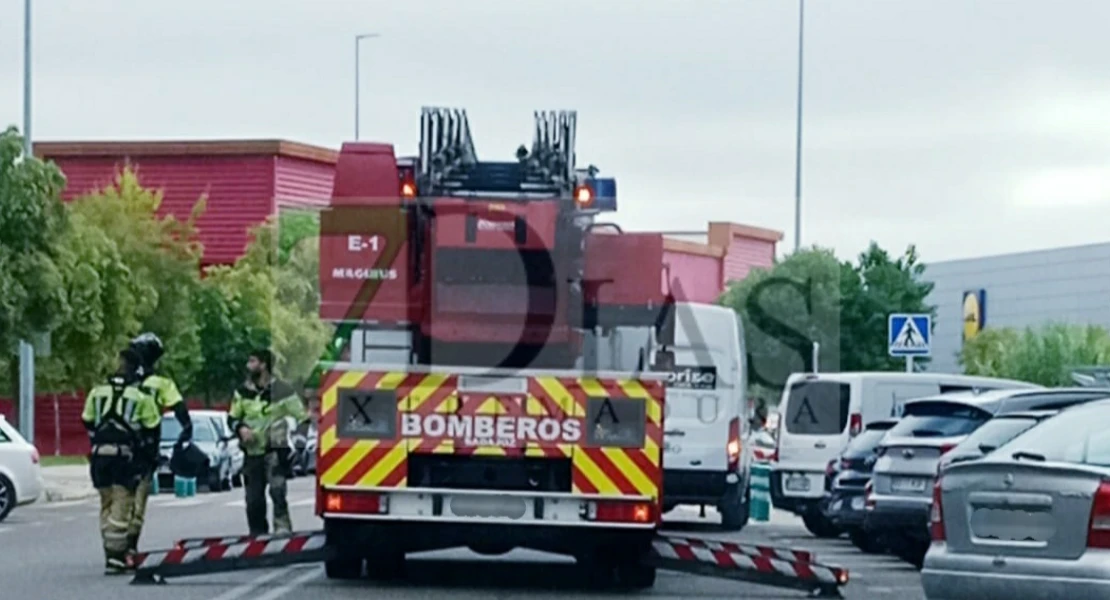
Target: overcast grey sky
column 964, row 126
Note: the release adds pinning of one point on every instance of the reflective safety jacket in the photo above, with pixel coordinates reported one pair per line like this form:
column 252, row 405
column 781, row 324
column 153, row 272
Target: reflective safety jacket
column 121, row 413
column 265, row 412
column 164, row 390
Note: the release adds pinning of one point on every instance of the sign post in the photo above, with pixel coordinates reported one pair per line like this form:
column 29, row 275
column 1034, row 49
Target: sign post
column 909, row 335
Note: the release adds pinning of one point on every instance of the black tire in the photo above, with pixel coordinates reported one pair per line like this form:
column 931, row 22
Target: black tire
column 7, row 497
column 343, row 568
column 864, row 541
column 735, row 510
column 635, row 576
column 820, row 526
column 212, row 477
column 910, row 550
column 389, row 566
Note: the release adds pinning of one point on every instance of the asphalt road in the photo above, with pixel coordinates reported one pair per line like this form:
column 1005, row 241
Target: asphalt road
column 52, row 551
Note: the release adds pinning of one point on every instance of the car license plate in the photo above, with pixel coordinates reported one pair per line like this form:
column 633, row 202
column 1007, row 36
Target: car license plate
column 796, row 482
column 497, row 507
column 857, row 503
column 908, row 484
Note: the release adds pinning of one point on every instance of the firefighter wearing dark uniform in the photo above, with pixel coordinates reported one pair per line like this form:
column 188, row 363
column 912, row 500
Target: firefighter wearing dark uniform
column 260, row 413
column 168, row 398
column 123, row 422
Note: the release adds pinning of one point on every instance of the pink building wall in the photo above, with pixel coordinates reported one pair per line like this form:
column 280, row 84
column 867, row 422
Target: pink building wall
column 705, row 270
column 244, row 182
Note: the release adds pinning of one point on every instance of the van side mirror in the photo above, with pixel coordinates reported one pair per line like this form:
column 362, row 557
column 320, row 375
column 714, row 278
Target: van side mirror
column 664, row 361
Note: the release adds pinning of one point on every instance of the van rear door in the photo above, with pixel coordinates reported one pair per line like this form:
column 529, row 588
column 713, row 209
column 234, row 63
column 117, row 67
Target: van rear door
column 813, row 423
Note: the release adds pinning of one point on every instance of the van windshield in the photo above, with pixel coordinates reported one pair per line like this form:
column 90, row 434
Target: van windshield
column 817, row 407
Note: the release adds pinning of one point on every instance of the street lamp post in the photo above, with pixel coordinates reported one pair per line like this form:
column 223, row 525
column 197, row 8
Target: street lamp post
column 358, row 43
column 26, row 350
column 798, row 139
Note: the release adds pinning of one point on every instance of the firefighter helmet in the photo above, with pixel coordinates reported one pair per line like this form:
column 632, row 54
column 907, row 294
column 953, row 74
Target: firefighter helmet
column 149, row 347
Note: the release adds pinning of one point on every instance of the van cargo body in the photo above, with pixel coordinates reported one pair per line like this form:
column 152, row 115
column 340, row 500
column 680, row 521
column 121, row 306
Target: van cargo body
column 708, row 461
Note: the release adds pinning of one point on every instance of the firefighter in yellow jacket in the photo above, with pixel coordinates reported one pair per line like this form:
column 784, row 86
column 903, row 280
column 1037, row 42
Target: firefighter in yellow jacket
column 168, row 398
column 260, row 413
column 123, row 422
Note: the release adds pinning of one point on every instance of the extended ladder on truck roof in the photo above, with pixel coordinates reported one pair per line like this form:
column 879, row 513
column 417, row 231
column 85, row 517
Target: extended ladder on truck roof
column 448, row 164
column 762, row 565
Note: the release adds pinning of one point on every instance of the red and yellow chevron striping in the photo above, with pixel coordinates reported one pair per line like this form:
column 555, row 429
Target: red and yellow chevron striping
column 434, row 417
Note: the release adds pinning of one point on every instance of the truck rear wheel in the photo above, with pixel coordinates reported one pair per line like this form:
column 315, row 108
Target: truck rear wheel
column 343, row 568
column 635, row 576
column 734, row 510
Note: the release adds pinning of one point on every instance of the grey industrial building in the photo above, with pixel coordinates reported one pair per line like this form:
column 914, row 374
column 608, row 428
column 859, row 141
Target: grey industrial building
column 1018, row 290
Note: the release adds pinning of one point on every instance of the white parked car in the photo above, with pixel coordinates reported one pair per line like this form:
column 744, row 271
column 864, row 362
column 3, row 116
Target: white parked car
column 20, row 472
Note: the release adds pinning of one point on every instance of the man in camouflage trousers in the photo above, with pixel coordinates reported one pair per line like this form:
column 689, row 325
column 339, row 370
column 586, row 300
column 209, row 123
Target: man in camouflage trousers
column 260, row 415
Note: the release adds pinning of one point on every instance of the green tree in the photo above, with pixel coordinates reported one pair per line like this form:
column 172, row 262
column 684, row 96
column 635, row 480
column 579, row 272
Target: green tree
column 162, row 258
column 810, row 296
column 269, row 298
column 32, row 225
column 1044, row 355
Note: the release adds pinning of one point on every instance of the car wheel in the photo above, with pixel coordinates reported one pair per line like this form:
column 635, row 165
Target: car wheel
column 212, row 477
column 7, row 497
column 866, row 542
column 819, row 525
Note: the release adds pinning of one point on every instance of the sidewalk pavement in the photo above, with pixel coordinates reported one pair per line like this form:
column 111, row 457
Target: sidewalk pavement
column 66, row 482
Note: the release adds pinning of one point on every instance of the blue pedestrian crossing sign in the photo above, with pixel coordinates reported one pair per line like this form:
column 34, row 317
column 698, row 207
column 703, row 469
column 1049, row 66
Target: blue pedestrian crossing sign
column 910, row 335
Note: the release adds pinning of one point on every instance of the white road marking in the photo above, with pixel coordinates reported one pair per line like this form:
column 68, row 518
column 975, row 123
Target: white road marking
column 305, row 502
column 245, row 589
column 284, row 589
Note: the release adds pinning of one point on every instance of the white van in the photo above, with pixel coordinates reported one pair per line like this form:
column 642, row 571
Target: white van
column 705, row 424
column 820, row 412
column 705, row 460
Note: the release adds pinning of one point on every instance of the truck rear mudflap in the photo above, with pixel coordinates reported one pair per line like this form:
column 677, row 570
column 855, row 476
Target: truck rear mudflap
column 539, row 449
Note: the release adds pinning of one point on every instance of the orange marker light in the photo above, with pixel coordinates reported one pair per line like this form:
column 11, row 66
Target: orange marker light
column 334, row 502
column 583, row 196
column 642, row 513
column 408, row 190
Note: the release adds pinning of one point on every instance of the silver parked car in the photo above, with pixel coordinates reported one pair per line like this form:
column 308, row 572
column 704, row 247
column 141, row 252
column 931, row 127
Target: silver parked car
column 993, row 434
column 909, row 457
column 1029, row 521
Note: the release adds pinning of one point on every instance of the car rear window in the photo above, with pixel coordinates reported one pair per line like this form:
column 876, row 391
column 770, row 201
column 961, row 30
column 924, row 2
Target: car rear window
column 817, row 407
column 202, row 431
column 865, row 443
column 1077, row 435
column 939, row 419
column 997, row 431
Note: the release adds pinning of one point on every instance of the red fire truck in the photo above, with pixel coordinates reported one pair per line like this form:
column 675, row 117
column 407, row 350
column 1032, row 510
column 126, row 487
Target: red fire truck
column 495, row 389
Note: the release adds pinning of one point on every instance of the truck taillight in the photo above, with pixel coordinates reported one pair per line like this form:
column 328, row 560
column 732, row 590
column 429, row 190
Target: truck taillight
column 1098, row 531
column 936, row 516
column 619, row 512
column 733, row 447
column 855, row 424
column 356, row 503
